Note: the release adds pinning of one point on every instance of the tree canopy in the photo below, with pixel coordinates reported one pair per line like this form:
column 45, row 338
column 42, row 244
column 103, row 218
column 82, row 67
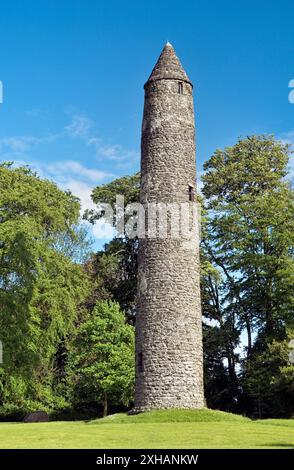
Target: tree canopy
column 67, row 315
column 41, row 286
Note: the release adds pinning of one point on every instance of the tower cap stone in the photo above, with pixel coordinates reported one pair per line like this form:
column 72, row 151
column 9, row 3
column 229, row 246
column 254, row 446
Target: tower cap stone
column 168, row 67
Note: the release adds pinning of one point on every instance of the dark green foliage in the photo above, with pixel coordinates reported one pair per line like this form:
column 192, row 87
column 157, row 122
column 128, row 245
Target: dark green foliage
column 127, row 186
column 67, row 346
column 268, row 381
column 116, row 265
column 113, row 273
column 40, row 285
column 103, row 357
column 221, row 389
column 249, row 240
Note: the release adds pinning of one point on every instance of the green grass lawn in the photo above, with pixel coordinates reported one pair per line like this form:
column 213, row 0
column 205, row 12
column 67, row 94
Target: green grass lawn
column 197, row 429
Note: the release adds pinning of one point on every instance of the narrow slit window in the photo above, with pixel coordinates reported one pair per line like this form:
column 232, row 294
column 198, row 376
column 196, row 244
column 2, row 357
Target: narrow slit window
column 191, row 193
column 180, row 84
column 140, row 362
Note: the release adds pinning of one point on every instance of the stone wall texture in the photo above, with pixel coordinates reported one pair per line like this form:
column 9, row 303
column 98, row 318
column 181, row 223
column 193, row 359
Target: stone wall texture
column 169, row 356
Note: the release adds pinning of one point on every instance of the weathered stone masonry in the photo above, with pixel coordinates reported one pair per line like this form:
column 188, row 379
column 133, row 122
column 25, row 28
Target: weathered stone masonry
column 169, row 358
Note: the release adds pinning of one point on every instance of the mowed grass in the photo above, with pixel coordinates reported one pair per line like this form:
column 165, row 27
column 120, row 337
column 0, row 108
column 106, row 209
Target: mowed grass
column 180, row 429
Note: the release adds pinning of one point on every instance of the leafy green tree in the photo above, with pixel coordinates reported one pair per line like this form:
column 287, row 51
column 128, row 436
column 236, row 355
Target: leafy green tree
column 127, row 186
column 268, row 381
column 251, row 231
column 41, row 285
column 115, row 267
column 221, row 334
column 247, row 261
column 220, row 388
column 114, row 272
column 103, row 357
column 250, row 240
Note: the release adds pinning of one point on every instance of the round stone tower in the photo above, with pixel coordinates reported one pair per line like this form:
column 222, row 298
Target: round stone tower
column 169, row 357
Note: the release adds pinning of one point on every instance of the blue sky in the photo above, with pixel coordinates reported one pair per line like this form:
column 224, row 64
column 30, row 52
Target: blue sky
column 73, row 74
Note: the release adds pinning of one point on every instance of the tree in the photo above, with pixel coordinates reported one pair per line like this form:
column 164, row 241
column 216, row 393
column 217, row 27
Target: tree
column 114, row 273
column 41, row 285
column 127, row 186
column 221, row 335
column 115, row 267
column 103, row 357
column 250, row 240
column 246, row 260
column 219, row 387
column 268, row 381
column 251, row 230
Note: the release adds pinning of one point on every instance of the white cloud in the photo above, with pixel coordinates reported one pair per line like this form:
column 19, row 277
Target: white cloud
column 80, row 189
column 17, row 147
column 18, row 144
column 70, row 174
column 99, row 231
column 67, row 175
column 78, row 178
column 82, row 127
column 79, row 126
column 103, row 231
column 116, row 152
column 287, row 137
column 62, row 170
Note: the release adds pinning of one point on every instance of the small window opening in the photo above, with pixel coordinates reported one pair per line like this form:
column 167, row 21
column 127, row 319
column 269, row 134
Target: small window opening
column 191, row 193
column 140, row 362
column 181, row 88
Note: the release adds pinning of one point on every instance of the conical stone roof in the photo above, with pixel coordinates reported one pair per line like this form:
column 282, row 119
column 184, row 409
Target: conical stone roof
column 168, row 66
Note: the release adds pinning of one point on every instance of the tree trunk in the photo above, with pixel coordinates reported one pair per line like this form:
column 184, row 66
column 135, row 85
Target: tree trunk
column 105, row 406
column 249, row 336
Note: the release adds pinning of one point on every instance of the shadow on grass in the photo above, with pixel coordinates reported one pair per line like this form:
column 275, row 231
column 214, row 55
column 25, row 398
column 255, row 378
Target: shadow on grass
column 278, row 444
